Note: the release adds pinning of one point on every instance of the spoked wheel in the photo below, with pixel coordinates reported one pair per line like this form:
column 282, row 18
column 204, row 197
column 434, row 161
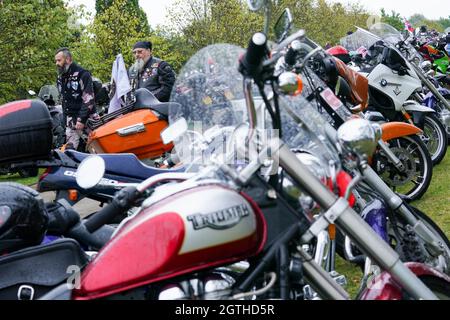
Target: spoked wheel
column 412, row 181
column 435, row 138
column 411, row 247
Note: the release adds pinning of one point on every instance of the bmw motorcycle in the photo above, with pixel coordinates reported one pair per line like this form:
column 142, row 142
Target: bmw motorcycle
column 394, row 84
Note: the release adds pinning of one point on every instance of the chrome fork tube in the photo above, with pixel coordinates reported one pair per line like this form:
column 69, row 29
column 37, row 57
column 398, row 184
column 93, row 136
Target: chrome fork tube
column 391, row 156
column 354, row 226
column 321, row 255
column 396, row 203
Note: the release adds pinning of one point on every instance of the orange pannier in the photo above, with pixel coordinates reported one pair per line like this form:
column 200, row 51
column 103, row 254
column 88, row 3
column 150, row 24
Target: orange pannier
column 135, row 132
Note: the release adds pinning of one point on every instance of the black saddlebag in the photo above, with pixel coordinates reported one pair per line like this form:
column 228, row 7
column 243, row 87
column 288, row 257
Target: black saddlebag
column 32, row 272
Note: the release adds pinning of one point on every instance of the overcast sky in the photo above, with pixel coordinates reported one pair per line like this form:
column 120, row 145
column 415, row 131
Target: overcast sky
column 432, row 9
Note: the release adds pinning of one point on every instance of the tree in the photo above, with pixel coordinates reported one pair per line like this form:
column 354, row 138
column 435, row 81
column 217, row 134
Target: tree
column 30, row 33
column 444, row 22
column 393, row 19
column 132, row 6
column 114, row 30
column 416, row 19
column 203, row 22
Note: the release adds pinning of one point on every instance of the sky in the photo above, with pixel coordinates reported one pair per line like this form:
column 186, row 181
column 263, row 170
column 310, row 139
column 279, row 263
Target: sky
column 432, row 9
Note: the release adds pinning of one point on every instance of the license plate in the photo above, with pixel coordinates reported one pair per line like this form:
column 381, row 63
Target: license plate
column 331, row 99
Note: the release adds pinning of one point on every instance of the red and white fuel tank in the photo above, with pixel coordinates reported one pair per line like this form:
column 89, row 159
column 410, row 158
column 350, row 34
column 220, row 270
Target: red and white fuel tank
column 195, row 229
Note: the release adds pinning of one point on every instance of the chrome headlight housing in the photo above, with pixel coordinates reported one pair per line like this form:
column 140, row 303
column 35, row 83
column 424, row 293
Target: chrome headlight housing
column 359, row 137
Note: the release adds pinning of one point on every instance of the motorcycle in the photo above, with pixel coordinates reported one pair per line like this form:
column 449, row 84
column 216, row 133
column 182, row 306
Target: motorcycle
column 186, row 252
column 401, row 159
column 372, row 187
column 60, row 174
column 394, row 82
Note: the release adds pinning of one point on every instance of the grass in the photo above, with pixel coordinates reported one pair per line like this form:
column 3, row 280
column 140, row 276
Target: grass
column 16, row 178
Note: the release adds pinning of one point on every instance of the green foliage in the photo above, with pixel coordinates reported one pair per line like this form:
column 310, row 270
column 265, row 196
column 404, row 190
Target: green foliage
column 444, row 22
column 203, row 22
column 393, row 19
column 324, row 22
column 131, row 6
column 30, row 33
column 114, row 30
column 440, row 25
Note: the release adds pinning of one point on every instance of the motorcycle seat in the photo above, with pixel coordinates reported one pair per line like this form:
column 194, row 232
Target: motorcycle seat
column 147, row 100
column 124, row 164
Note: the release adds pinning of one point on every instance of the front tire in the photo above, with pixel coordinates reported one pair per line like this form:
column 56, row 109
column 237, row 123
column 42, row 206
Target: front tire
column 413, row 182
column 435, row 138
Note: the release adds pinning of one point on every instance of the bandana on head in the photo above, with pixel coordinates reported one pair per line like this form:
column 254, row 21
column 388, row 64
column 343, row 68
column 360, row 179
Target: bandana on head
column 143, row 45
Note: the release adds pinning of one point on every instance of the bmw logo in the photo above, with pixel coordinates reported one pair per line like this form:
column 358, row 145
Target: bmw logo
column 383, row 83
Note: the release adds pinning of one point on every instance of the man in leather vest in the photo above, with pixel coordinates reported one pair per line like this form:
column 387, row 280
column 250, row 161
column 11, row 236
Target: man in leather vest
column 77, row 96
column 152, row 73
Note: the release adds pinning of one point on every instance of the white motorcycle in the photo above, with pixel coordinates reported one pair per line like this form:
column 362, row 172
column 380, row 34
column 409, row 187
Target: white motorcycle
column 393, row 85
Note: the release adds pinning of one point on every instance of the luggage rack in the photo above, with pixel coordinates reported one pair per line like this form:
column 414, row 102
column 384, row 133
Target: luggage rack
column 94, row 124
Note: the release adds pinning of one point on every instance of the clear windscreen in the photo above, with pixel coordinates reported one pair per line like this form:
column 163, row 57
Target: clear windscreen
column 209, row 94
column 304, row 128
column 386, row 32
column 361, row 38
column 392, row 36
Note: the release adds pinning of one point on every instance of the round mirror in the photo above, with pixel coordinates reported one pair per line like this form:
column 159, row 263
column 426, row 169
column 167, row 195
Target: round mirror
column 359, row 137
column 90, row 172
column 255, row 5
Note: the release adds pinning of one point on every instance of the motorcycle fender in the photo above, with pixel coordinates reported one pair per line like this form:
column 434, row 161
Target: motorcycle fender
column 392, row 130
column 413, row 106
column 384, row 287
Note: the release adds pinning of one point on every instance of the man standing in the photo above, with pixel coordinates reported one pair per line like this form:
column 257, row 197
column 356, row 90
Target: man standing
column 77, row 96
column 152, row 73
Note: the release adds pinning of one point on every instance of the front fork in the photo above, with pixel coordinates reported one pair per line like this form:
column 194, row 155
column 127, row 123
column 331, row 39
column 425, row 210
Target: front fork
column 396, row 203
column 391, row 156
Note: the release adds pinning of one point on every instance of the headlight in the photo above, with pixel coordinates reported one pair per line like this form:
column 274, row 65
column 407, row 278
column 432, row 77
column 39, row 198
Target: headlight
column 359, row 137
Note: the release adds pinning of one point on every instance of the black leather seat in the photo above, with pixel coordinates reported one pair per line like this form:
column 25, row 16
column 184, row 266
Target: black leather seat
column 124, row 164
column 147, row 100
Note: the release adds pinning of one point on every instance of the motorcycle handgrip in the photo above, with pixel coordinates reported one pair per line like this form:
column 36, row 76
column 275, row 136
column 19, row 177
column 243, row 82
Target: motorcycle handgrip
column 257, row 49
column 290, row 57
column 122, row 201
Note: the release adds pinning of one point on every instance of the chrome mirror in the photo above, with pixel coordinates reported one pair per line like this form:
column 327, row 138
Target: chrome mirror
column 90, row 172
column 283, row 25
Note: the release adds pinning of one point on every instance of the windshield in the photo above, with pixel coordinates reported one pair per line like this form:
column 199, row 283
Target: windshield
column 210, row 96
column 304, row 128
column 209, row 91
column 386, row 32
column 361, row 38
